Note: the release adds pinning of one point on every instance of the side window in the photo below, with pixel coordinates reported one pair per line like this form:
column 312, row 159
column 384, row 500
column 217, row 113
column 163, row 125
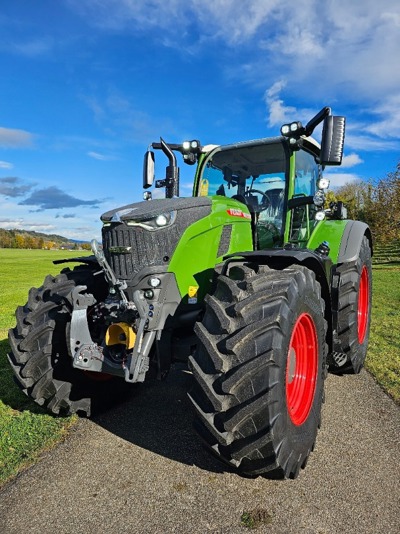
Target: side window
column 306, row 175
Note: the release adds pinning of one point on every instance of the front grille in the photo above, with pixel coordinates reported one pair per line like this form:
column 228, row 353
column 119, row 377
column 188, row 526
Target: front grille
column 145, row 248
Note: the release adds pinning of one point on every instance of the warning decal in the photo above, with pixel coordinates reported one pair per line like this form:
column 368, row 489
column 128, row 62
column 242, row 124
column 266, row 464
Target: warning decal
column 192, row 294
column 234, row 212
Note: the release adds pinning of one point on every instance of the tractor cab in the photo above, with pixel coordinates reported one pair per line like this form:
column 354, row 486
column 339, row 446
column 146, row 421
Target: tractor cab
column 255, row 174
column 276, row 181
column 263, row 175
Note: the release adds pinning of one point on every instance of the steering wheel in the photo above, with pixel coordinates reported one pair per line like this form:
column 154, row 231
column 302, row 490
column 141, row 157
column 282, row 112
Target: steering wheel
column 265, row 200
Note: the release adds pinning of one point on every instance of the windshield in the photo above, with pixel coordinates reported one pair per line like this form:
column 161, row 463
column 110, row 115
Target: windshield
column 256, row 176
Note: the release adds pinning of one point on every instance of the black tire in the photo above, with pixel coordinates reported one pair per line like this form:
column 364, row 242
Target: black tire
column 243, row 393
column 39, row 346
column 354, row 286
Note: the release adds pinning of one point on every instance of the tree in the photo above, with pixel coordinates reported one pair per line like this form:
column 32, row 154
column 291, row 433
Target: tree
column 376, row 203
column 385, row 208
column 19, row 241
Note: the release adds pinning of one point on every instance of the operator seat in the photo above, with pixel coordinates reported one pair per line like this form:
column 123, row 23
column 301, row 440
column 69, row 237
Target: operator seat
column 251, row 202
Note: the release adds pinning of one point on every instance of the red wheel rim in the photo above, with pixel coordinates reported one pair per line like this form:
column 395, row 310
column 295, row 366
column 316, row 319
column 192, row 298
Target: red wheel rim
column 363, row 305
column 301, row 369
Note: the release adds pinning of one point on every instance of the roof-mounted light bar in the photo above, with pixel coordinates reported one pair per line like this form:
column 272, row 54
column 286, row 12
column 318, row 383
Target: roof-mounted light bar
column 332, row 139
column 190, row 150
column 294, row 130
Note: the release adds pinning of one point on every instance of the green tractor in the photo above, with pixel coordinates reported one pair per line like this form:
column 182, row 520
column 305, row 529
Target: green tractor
column 252, row 281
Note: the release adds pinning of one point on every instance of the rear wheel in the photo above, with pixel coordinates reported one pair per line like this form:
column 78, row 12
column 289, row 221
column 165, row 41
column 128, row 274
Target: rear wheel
column 39, row 347
column 354, row 312
column 259, row 369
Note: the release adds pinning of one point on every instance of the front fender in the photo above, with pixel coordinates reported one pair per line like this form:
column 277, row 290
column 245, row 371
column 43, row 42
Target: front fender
column 89, row 260
column 351, row 241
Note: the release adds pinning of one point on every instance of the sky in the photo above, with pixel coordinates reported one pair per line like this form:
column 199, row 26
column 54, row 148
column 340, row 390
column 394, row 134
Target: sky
column 87, row 85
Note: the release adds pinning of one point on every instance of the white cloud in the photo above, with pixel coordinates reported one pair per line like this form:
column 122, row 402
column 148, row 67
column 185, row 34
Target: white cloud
column 12, row 138
column 6, row 165
column 336, row 50
column 100, row 157
column 364, row 136
column 22, row 224
column 278, row 113
column 38, row 227
column 83, row 227
column 351, row 160
column 229, row 20
column 9, row 223
column 337, row 179
column 234, row 21
column 360, row 141
column 388, row 123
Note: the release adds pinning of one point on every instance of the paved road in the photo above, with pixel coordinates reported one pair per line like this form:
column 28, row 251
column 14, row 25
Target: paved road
column 140, row 469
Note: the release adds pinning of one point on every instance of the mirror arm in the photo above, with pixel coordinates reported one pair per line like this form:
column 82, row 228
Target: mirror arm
column 313, row 123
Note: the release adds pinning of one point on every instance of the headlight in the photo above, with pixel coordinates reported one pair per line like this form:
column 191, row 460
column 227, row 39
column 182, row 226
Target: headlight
column 161, row 220
column 323, row 183
column 319, row 198
column 285, row 129
column 155, row 223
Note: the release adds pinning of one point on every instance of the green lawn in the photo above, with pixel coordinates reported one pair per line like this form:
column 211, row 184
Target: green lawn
column 26, row 430
column 383, row 358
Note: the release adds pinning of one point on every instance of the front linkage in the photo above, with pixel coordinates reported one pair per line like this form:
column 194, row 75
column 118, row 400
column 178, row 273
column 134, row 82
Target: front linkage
column 132, row 328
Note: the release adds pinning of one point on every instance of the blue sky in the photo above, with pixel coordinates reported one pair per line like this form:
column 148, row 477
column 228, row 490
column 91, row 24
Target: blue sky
column 87, row 85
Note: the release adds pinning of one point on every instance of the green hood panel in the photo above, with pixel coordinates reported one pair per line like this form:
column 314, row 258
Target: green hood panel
column 204, row 244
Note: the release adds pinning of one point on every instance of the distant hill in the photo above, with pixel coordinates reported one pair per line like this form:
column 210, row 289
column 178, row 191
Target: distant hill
column 29, row 239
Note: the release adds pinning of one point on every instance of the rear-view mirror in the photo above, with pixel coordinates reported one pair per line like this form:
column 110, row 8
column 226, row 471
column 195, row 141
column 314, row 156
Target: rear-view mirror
column 332, row 140
column 148, row 169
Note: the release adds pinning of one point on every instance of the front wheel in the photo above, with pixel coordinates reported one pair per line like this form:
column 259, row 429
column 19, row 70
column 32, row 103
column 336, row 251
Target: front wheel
column 259, row 369
column 39, row 353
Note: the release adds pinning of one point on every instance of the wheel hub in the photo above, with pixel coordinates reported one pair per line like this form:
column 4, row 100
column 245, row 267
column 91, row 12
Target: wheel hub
column 301, row 369
column 291, row 365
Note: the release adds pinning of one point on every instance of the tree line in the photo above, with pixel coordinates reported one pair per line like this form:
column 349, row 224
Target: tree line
column 33, row 240
column 376, row 203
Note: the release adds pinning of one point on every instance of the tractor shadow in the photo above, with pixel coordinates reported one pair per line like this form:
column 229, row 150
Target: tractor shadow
column 158, row 417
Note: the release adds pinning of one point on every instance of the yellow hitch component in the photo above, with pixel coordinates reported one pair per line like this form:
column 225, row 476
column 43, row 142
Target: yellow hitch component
column 121, row 333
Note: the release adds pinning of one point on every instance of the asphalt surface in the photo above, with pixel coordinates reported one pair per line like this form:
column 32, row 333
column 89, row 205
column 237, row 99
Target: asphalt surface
column 140, row 468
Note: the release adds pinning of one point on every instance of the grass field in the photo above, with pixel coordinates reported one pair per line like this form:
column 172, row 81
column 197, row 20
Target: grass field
column 26, row 430
column 383, row 357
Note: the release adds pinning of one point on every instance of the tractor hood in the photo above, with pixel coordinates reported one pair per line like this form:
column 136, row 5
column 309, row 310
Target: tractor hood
column 141, row 211
column 146, row 234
